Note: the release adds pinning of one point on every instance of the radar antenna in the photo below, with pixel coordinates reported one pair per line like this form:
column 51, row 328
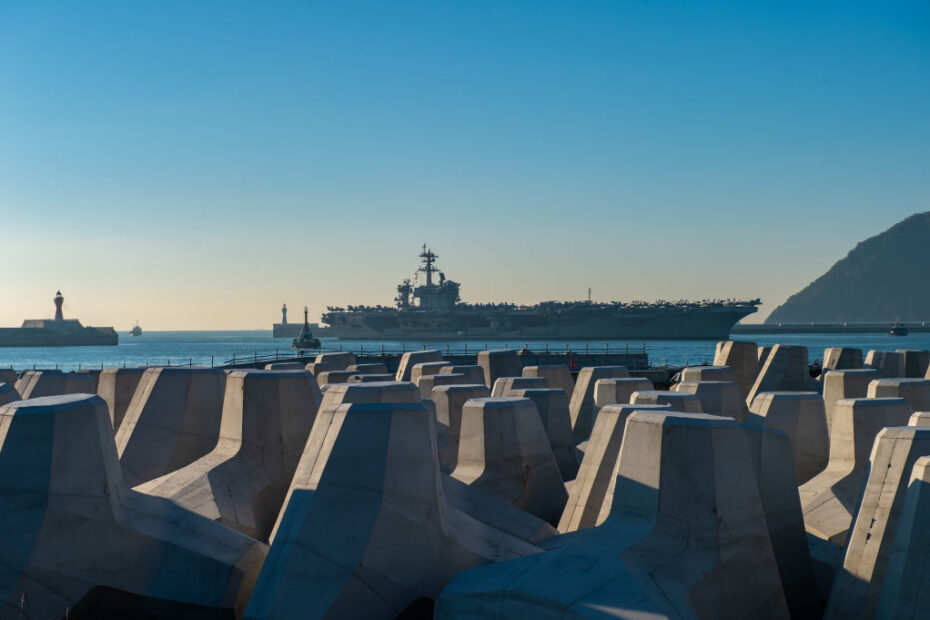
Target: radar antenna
column 429, row 257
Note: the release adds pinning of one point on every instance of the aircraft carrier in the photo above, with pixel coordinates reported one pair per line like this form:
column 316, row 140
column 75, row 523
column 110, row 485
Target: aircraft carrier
column 57, row 332
column 434, row 311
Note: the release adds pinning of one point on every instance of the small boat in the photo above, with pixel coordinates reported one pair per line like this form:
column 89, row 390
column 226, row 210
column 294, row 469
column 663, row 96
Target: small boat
column 897, row 330
column 305, row 339
column 136, row 330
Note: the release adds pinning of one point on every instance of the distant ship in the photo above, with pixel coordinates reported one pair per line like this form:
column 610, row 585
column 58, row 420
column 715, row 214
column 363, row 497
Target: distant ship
column 438, row 314
column 292, row 330
column 305, row 339
column 136, row 330
column 57, row 332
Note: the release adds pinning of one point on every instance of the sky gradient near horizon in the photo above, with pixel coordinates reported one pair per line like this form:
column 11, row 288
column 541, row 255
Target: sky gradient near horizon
column 194, row 164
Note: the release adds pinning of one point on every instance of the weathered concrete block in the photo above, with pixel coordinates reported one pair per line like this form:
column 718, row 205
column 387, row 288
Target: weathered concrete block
column 70, row 523
column 857, row 587
column 8, row 394
column 843, row 384
column 785, row 370
column 581, row 405
column 618, row 391
column 694, row 374
column 367, row 537
column 388, row 392
column 743, row 358
column 9, row 376
column 317, row 368
column 841, row 358
column 369, row 378
column 556, row 376
column 426, row 383
column 771, row 454
column 591, row 495
column 449, row 400
column 267, row 416
column 333, row 376
column 376, row 368
column 504, row 452
column 499, row 363
column 801, row 416
column 763, row 354
column 552, row 405
column 341, row 359
column 905, row 588
column 473, row 374
column 916, row 362
column 919, row 418
column 914, row 391
column 679, row 401
column 686, row 537
column 38, row 383
column 411, row 358
column 285, row 366
column 504, row 385
column 717, row 398
column 888, row 364
column 172, row 420
column 116, row 386
column 829, row 499
column 424, row 369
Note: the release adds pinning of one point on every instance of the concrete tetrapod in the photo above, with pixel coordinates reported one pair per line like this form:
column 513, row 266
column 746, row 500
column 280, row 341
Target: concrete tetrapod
column 591, row 495
column 581, row 405
column 708, row 373
column 841, row 358
column 424, row 369
column 375, row 368
column 426, row 383
column 906, row 588
column 679, row 401
column 617, row 391
column 370, row 378
column 770, row 451
column 686, row 538
column 116, row 386
column 386, row 392
column 717, row 397
column 857, row 586
column 504, row 452
column 38, row 383
column 785, row 370
column 888, row 363
column 172, row 420
column 556, row 376
column 743, row 358
column 800, row 415
column 499, row 363
column 8, row 394
column 829, row 499
column 409, row 359
column 504, row 385
column 473, row 373
column 915, row 391
column 316, row 368
column 70, row 523
column 842, row 384
column 368, row 537
column 449, row 400
column 916, row 362
column 333, row 376
column 552, row 405
column 341, row 359
column 285, row 366
column 919, row 418
column 267, row 416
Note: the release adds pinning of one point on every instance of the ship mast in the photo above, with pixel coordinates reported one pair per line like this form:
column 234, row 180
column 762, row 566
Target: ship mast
column 428, row 259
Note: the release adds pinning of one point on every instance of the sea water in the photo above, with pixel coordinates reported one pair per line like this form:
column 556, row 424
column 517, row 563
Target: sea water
column 206, row 348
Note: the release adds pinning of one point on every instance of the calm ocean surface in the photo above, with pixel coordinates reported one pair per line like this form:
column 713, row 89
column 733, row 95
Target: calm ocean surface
column 219, row 347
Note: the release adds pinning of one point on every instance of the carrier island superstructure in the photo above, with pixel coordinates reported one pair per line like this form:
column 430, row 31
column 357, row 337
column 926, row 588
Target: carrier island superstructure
column 434, row 311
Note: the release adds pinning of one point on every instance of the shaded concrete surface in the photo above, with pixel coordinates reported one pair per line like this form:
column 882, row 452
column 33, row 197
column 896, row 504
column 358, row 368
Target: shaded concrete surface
column 117, row 386
column 743, row 358
column 581, row 405
column 801, row 416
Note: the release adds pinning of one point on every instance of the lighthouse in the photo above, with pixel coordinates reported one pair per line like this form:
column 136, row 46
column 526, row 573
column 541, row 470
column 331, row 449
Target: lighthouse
column 59, row 300
column 284, row 314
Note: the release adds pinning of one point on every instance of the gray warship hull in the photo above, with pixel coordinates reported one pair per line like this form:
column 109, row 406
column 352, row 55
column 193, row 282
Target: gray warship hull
column 579, row 324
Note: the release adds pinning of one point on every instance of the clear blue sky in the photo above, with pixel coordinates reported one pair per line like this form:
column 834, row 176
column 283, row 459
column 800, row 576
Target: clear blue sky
column 194, row 164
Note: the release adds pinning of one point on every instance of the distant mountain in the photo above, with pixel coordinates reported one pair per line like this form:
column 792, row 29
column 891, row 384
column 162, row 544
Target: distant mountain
column 885, row 277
